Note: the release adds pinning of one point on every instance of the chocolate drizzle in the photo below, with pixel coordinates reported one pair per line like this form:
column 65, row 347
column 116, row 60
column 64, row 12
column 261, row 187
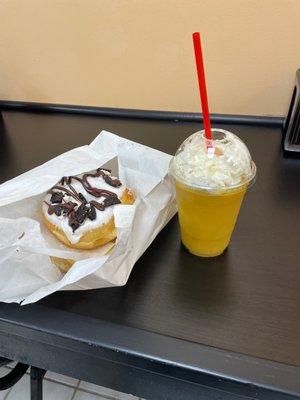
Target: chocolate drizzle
column 71, row 192
column 91, row 190
column 59, row 209
column 78, row 213
column 56, row 197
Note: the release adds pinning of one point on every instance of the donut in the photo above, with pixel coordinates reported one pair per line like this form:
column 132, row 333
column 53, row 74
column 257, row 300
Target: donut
column 78, row 210
column 62, row 263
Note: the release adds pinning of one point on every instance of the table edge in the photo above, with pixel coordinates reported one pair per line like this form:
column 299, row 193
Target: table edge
column 141, row 348
column 25, row 106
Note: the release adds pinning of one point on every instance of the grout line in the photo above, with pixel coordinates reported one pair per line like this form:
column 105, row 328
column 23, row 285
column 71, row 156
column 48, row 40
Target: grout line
column 6, row 396
column 61, row 383
column 75, row 390
column 103, row 396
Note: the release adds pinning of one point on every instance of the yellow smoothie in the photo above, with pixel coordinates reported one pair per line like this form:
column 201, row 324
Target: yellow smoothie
column 210, row 182
column 207, row 220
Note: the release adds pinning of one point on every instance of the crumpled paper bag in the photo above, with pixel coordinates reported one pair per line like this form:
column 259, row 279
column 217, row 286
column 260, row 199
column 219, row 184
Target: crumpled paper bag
column 26, row 272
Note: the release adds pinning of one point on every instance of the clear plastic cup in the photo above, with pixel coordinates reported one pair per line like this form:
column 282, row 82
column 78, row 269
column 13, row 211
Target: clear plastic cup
column 210, row 187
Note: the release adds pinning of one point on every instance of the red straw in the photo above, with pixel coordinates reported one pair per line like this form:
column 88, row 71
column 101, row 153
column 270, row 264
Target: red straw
column 202, row 86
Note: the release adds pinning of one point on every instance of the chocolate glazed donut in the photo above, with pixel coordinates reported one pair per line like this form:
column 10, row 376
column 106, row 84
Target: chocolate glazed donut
column 81, row 215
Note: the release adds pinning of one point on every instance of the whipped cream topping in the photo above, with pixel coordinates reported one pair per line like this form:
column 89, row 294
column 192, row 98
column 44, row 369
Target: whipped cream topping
column 102, row 217
column 227, row 165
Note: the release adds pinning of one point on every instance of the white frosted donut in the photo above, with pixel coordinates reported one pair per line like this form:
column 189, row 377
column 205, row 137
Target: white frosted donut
column 79, row 210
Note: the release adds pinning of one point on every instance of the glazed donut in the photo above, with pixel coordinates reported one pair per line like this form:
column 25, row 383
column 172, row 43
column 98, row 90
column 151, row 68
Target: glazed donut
column 79, row 210
column 63, row 264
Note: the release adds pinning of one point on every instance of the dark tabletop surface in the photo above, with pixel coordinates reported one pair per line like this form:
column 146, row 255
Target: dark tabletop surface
column 246, row 301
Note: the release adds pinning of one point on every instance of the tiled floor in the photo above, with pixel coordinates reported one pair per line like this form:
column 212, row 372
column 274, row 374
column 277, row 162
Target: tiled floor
column 60, row 387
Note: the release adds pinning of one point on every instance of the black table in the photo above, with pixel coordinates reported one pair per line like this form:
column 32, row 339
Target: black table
column 183, row 327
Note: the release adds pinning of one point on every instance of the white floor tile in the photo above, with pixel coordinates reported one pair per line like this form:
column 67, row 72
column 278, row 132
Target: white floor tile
column 55, row 391
column 52, row 391
column 106, row 392
column 21, row 390
column 61, row 379
column 86, row 396
column 3, row 371
column 3, row 393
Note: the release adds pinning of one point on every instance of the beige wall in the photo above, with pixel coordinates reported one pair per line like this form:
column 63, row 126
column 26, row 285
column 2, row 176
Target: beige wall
column 138, row 53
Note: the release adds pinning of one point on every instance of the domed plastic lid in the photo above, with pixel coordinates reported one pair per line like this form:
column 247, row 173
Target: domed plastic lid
column 226, row 165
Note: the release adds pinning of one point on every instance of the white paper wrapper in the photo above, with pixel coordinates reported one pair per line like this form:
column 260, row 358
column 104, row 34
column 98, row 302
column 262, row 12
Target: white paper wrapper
column 26, row 272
